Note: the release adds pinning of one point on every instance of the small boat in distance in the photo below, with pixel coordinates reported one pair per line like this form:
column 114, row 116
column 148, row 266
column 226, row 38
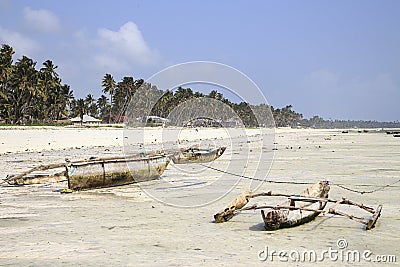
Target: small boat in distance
column 197, row 155
column 297, row 212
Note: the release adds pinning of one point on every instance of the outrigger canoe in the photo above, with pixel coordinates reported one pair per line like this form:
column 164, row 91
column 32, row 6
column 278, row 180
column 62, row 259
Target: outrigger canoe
column 197, row 155
column 299, row 209
column 96, row 172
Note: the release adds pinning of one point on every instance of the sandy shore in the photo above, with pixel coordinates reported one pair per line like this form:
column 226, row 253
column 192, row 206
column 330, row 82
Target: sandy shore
column 125, row 226
column 28, row 139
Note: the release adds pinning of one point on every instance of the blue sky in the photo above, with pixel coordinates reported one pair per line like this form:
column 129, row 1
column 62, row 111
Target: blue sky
column 336, row 59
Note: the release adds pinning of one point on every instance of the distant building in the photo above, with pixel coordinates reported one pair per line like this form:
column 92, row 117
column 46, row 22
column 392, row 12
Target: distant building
column 87, row 120
column 156, row 120
column 233, row 122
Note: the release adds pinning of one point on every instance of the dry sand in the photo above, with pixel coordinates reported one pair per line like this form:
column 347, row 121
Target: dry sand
column 124, row 226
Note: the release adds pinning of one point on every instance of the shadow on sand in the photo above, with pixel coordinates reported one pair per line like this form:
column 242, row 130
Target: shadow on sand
column 257, row 227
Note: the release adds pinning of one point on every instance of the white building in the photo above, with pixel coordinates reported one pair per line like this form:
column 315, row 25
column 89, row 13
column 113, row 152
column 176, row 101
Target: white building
column 87, row 120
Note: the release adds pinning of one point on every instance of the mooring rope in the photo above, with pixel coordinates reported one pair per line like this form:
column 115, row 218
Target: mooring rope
column 379, row 188
column 253, row 178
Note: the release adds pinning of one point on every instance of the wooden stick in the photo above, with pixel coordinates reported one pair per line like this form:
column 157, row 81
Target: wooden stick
column 334, row 205
column 255, row 207
column 352, row 217
column 38, row 168
column 308, row 199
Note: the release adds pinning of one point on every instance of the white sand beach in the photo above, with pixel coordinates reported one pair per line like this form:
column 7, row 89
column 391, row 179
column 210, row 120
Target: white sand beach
column 127, row 226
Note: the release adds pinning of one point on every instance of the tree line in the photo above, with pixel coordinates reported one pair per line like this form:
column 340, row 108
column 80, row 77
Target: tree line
column 29, row 95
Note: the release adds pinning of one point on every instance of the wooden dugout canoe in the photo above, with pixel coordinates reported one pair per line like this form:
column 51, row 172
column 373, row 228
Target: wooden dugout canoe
column 96, row 172
column 109, row 172
column 302, row 212
column 196, row 155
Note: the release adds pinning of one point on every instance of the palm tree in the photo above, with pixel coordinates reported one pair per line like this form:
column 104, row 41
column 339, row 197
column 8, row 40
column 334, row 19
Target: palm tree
column 24, row 88
column 109, row 85
column 123, row 95
column 51, row 86
column 90, row 103
column 80, row 108
column 67, row 96
column 6, row 53
column 103, row 105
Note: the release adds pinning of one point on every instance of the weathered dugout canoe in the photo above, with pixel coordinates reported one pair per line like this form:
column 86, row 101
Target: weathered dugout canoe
column 195, row 155
column 99, row 173
column 283, row 218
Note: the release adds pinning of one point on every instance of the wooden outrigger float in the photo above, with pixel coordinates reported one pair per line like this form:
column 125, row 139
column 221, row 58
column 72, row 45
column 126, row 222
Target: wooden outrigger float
column 197, row 155
column 299, row 209
column 96, row 172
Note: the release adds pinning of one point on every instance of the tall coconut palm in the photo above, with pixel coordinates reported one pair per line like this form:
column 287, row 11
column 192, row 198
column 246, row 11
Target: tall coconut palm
column 103, row 105
column 50, row 83
column 109, row 86
column 24, row 88
column 91, row 106
column 80, row 108
column 67, row 96
column 6, row 53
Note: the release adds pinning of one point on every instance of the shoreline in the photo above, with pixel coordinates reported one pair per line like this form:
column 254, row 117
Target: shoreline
column 47, row 138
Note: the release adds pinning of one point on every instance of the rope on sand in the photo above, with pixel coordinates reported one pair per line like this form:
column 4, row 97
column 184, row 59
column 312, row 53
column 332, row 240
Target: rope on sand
column 379, row 188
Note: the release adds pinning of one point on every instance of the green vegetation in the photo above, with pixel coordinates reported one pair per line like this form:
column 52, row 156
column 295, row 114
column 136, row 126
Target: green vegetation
column 30, row 96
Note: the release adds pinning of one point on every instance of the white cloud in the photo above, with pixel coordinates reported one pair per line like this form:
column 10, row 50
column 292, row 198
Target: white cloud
column 22, row 45
column 41, row 20
column 122, row 49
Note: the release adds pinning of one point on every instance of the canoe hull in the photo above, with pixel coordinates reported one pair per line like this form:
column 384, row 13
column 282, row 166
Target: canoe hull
column 201, row 156
column 100, row 174
column 283, row 218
